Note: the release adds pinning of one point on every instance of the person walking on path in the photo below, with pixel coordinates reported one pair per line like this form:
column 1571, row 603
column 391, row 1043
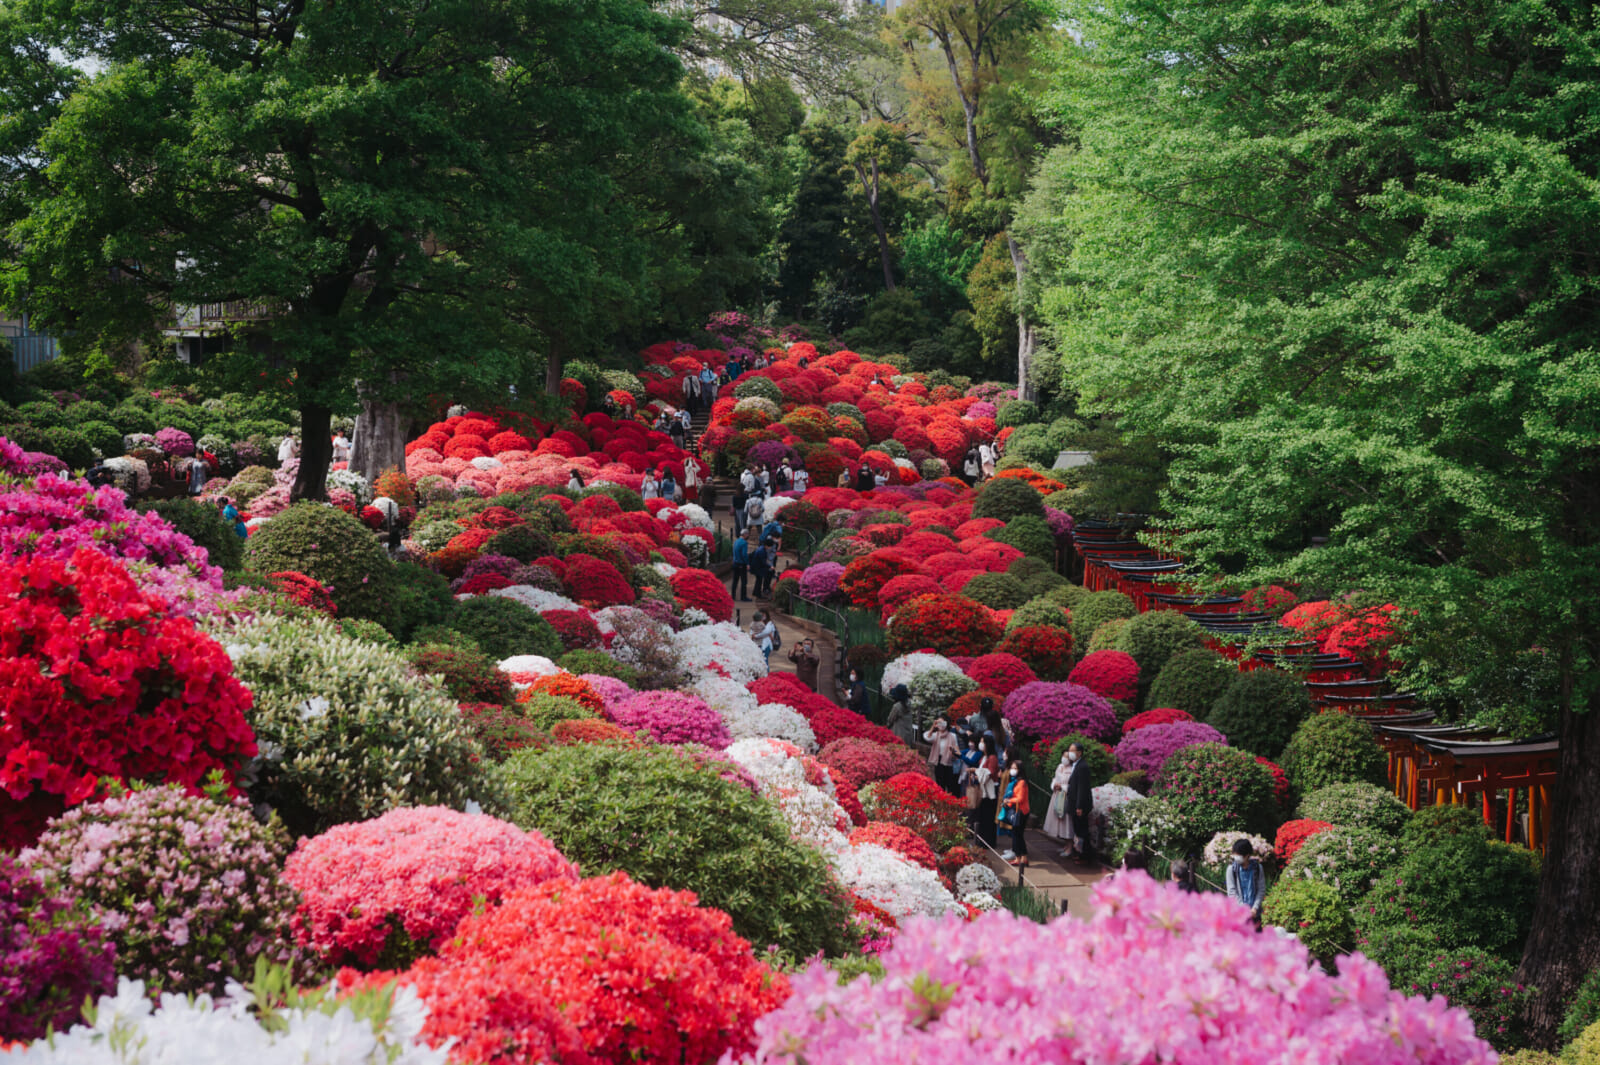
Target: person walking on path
column 802, row 480
column 806, row 660
column 1058, row 819
column 230, row 514
column 738, row 501
column 943, row 749
column 856, row 697
column 289, row 448
column 1013, row 813
column 669, row 487
column 972, row 467
column 1080, row 803
column 739, row 588
column 675, row 431
column 983, row 790
column 765, row 634
column 987, row 459
column 649, row 488
column 199, row 472
column 691, row 480
column 1247, row 881
column 690, row 383
column 760, row 565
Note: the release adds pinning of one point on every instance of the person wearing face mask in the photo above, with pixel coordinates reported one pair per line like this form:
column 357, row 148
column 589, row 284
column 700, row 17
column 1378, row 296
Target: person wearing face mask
column 942, row 751
column 1013, row 813
column 984, row 777
column 1057, row 820
column 1247, row 881
column 1080, row 803
column 856, row 699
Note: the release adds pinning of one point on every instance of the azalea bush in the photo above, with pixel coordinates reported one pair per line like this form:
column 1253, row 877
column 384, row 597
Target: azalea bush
column 1292, row 835
column 188, row 889
column 1348, row 858
column 1357, row 805
column 1485, row 986
column 1217, row 788
column 948, row 624
column 865, row 577
column 1044, row 709
column 671, row 717
column 933, row 692
column 1315, row 914
column 914, row 801
column 502, row 628
column 1164, row 715
column 1151, row 824
column 1333, row 748
column 664, row 816
column 1261, row 710
column 102, row 680
column 469, row 675
column 1110, row 674
column 1000, row 672
column 1148, row 749
column 336, row 550
column 865, row 761
column 1045, row 649
column 382, row 893
column 698, row 588
column 52, row 957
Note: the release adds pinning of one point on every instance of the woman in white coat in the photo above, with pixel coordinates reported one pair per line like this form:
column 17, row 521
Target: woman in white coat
column 1058, row 819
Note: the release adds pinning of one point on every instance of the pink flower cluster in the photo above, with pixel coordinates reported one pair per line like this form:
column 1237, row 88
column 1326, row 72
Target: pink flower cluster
column 413, row 873
column 1149, row 748
column 671, row 717
column 1153, row 975
column 1045, row 709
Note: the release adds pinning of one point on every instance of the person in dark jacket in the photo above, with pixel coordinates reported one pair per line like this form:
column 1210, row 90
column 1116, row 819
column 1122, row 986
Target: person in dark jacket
column 760, row 566
column 1080, row 801
column 740, row 585
column 864, row 479
column 1183, row 876
column 857, row 697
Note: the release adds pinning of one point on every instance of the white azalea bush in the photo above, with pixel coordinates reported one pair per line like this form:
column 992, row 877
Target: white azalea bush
column 772, row 721
column 720, row 646
column 906, row 668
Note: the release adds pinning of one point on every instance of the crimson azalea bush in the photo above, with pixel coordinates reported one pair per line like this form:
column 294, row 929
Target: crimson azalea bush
column 187, row 888
column 1046, row 649
column 1149, row 748
column 1112, row 674
column 863, row 761
column 947, row 624
column 1045, row 709
column 1155, row 982
column 382, row 893
column 1000, row 672
column 1292, row 835
column 596, row 584
column 864, row 577
column 1161, row 715
column 598, row 971
column 100, row 680
column 898, row 838
column 52, row 957
column 576, row 628
column 916, row 802
column 700, row 589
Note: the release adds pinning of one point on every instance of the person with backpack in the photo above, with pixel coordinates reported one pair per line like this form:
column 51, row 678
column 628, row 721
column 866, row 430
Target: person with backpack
column 1247, row 880
column 740, row 586
column 760, row 566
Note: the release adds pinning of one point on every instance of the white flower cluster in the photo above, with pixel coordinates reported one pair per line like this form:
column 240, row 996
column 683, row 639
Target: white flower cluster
column 351, row 482
column 723, row 643
column 982, row 900
column 487, row 462
column 129, row 474
column 900, row 887
column 536, row 599
column 538, row 665
column 811, row 814
column 771, row 721
column 904, row 669
column 693, row 616
column 1220, row 849
column 978, row 878
column 390, row 508
column 128, row 1029
column 728, row 698
column 666, row 569
column 696, row 551
column 1107, row 797
column 774, row 504
column 697, row 517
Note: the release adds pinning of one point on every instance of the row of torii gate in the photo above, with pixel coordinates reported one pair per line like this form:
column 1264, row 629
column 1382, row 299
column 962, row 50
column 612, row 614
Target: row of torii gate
column 1510, row 779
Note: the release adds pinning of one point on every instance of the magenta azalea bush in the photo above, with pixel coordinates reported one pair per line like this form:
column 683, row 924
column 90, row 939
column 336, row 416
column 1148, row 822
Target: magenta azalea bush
column 1149, row 748
column 187, row 888
column 51, row 957
column 821, row 580
column 387, row 891
column 175, row 442
column 1047, row 709
column 672, row 717
column 1154, row 975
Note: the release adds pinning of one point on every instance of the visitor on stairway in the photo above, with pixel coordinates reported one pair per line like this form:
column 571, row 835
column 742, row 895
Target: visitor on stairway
column 669, row 487
column 845, row 480
column 801, row 481
column 1013, row 813
column 574, row 481
column 341, row 447
column 686, row 419
column 783, row 476
column 943, row 750
column 1183, row 877
column 987, row 459
column 738, row 500
column 760, row 564
column 773, row 531
column 691, row 385
column 739, row 587
column 230, row 514
column 1080, row 804
column 806, row 660
column 708, row 385
column 753, row 507
column 675, row 430
column 691, row 479
column 199, row 473
column 748, row 479
column 1057, row 818
column 856, row 697
column 649, row 488
column 983, row 790
column 765, row 634
column 972, row 466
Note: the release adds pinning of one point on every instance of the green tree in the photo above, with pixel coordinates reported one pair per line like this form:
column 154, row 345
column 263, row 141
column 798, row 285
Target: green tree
column 878, row 153
column 1337, row 259
column 416, row 195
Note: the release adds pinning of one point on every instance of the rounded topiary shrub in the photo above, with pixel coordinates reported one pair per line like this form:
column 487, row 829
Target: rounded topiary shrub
column 469, row 675
column 1192, row 680
column 947, row 624
column 1094, row 610
column 1314, row 913
column 1153, row 638
column 1029, row 534
column 504, row 627
column 1333, row 748
column 932, row 692
column 1217, row 789
column 1348, row 858
column 332, row 547
column 1046, row 709
column 667, row 816
column 1005, row 498
column 584, row 661
column 347, row 732
column 1037, row 612
column 203, row 525
column 998, row 591
column 1017, row 412
column 522, row 542
column 53, row 957
column 1363, row 805
column 188, row 889
column 1261, row 710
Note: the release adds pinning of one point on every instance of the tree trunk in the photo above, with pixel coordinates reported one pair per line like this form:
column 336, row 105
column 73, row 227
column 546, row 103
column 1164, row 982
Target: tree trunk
column 1026, row 337
column 552, row 374
column 1564, row 944
column 871, row 190
column 380, row 439
column 316, row 452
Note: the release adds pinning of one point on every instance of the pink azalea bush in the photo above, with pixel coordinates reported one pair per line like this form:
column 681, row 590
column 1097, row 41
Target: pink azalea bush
column 1153, row 975
column 51, row 957
column 671, row 717
column 388, row 891
column 1149, row 748
column 1046, row 709
column 821, row 581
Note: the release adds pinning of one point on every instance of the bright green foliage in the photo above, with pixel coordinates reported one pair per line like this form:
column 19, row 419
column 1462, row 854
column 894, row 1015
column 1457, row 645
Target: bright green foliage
column 1006, row 498
column 418, row 597
column 326, row 543
column 932, row 692
column 600, row 663
column 1095, row 609
column 1348, row 858
column 937, row 259
column 1096, row 759
column 670, row 821
column 542, row 711
column 997, row 591
column 1364, row 805
column 504, row 627
column 1261, row 710
column 992, row 291
column 204, row 525
column 346, row 731
column 1193, row 680
column 1106, row 635
column 1584, row 1010
column 1314, row 912
column 1040, row 612
column 1154, row 637
column 1153, row 824
column 1333, row 748
column 367, row 632
column 522, row 542
column 1028, row 534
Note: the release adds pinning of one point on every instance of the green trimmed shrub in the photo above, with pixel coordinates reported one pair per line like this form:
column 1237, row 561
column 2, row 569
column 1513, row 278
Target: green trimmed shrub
column 1584, row 1010
column 1332, row 749
column 1314, row 912
column 764, row 387
column 1105, row 637
column 997, row 591
column 1348, row 858
column 1218, row 789
column 1027, row 534
column 346, row 731
column 1040, row 584
column 1028, row 566
column 932, row 692
column 600, row 663
column 1363, row 805
column 1480, row 983
column 203, row 525
column 1193, row 680
column 521, row 542
column 1040, row 612
column 1067, row 594
column 103, row 437
column 1094, row 610
column 544, row 710
column 368, row 632
column 1006, row 498
column 329, row 545
column 1152, row 639
column 131, row 418
column 504, row 627
column 418, row 598
column 670, row 818
column 66, row 444
column 1097, row 760
column 1018, row 412
column 469, row 675
column 1137, row 779
column 1261, row 710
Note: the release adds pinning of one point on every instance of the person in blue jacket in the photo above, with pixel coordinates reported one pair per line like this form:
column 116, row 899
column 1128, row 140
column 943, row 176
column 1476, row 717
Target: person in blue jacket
column 740, row 585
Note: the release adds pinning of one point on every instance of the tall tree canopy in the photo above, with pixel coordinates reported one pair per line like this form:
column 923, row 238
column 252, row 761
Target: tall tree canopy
column 430, row 189
column 1340, row 258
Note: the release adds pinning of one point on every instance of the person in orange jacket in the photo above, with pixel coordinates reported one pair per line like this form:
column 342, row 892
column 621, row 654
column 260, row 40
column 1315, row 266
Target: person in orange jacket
column 1014, row 812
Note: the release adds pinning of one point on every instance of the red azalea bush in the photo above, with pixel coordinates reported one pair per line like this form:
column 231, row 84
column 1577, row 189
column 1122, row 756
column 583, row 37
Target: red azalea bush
column 591, row 730
column 498, row 729
column 899, row 839
column 577, row 628
column 600, row 971
column 1368, row 636
column 100, row 680
column 388, row 891
column 1112, row 674
column 698, row 588
column 304, row 591
column 1281, row 789
column 953, row 860
column 483, row 583
column 595, row 583
column 1313, row 620
column 1292, row 835
column 1161, row 715
column 1000, row 672
column 948, row 624
column 1044, row 708
column 1269, row 598
column 916, row 802
column 845, row 794
column 565, row 686
column 864, row 762
column 897, row 590
column 836, row 723
column 863, row 579
column 1047, row 649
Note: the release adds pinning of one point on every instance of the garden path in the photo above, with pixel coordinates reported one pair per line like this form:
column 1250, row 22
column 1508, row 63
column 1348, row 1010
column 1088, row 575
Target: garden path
column 1067, row 883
